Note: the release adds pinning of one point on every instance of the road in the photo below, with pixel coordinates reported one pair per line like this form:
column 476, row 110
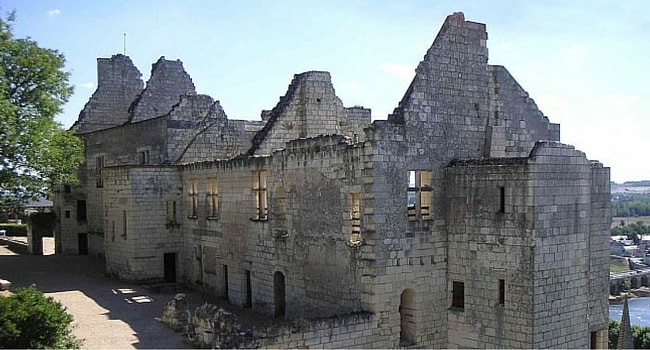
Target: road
column 108, row 314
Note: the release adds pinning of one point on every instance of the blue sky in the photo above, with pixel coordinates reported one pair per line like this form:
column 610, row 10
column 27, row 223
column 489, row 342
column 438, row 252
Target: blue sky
column 585, row 63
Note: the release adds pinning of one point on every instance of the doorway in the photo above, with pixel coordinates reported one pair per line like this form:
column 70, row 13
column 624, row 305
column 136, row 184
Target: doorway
column 279, row 294
column 169, row 260
column 82, row 240
column 249, row 291
column 407, row 317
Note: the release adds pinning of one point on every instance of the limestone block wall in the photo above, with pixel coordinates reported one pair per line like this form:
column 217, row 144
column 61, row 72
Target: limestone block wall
column 119, row 82
column 403, row 262
column 68, row 225
column 599, row 260
column 305, row 238
column 168, row 82
column 198, row 130
column 563, row 231
column 490, row 251
column 515, row 122
column 309, row 108
column 137, row 230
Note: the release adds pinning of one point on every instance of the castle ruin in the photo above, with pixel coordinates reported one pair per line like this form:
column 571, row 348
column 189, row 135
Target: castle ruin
column 460, row 221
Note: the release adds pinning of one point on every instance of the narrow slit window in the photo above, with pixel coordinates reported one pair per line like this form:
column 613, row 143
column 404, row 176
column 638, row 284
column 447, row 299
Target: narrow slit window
column 458, row 294
column 125, row 223
column 213, row 199
column 99, row 166
column 502, row 292
column 171, row 212
column 260, row 195
column 193, row 194
column 502, row 199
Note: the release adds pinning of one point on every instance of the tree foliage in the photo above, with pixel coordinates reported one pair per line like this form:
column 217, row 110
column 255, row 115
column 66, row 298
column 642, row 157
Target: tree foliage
column 632, row 231
column 30, row 320
column 35, row 151
column 640, row 336
column 631, row 205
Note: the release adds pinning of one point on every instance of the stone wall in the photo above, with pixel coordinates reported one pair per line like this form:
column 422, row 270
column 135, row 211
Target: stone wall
column 137, row 227
column 196, row 124
column 168, row 82
column 491, row 238
column 118, row 84
column 306, row 237
column 309, row 108
column 563, row 232
column 515, row 123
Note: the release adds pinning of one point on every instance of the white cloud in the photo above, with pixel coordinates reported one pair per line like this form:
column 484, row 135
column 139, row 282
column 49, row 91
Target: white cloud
column 402, row 72
column 53, row 13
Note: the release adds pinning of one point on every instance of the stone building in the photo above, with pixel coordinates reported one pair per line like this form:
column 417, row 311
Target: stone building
column 460, row 221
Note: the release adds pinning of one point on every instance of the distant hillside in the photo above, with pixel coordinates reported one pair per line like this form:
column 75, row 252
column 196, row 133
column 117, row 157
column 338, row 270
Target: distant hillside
column 642, row 186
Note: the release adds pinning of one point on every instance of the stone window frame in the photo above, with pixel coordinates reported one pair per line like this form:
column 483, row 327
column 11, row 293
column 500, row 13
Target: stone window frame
column 143, row 156
column 418, row 197
column 260, row 195
column 355, row 217
column 501, row 292
column 171, row 210
column 212, row 196
column 458, row 295
column 193, row 199
column 100, row 164
column 125, row 224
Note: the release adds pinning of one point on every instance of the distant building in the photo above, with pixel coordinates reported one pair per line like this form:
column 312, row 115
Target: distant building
column 461, row 221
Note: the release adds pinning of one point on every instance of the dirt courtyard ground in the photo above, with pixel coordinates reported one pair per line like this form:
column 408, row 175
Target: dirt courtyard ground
column 108, row 314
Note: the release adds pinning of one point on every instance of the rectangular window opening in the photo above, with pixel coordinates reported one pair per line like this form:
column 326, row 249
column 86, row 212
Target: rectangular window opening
column 213, row 199
column 502, row 292
column 81, row 210
column 419, row 195
column 502, row 199
column 458, row 295
column 260, row 195
column 99, row 165
column 143, row 157
column 193, row 194
column 171, row 212
column 355, row 217
column 125, row 223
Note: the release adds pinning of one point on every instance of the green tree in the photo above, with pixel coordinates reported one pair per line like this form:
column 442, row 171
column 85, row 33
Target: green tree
column 36, row 152
column 30, row 320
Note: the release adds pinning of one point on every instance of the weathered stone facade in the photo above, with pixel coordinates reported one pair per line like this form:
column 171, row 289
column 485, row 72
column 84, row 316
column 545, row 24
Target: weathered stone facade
column 460, row 221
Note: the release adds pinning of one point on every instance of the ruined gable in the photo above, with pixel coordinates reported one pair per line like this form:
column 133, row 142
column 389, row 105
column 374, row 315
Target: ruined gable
column 199, row 130
column 446, row 104
column 515, row 122
column 309, row 108
column 168, row 82
column 118, row 84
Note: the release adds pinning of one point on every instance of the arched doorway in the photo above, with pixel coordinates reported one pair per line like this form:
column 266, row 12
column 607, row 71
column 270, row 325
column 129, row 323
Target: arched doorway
column 279, row 294
column 407, row 317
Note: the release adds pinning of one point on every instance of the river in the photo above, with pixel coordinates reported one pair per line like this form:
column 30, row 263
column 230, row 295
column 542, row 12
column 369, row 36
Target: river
column 639, row 311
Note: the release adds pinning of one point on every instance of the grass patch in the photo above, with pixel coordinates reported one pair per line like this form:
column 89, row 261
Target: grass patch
column 618, row 266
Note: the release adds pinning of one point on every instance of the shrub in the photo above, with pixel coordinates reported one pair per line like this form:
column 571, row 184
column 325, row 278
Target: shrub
column 29, row 319
column 14, row 229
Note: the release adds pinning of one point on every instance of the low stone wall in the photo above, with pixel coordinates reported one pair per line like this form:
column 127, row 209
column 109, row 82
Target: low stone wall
column 213, row 327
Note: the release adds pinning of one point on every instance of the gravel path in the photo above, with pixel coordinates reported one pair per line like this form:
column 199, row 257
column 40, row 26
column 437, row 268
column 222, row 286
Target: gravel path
column 107, row 313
